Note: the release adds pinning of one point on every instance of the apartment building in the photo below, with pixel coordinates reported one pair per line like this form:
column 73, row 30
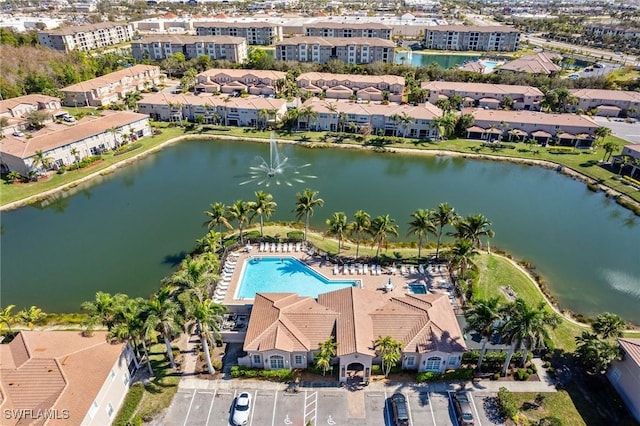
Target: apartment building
column 14, row 110
column 608, row 103
column 111, row 87
column 631, row 33
column 86, row 37
column 343, row 29
column 226, row 111
column 393, row 119
column 255, row 82
column 485, row 95
column 256, row 33
column 463, row 37
column 342, row 86
column 159, row 47
column 355, row 50
column 564, row 129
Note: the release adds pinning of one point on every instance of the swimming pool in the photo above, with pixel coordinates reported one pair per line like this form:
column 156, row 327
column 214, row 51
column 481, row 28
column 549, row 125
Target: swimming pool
column 417, row 289
column 283, row 275
column 490, row 64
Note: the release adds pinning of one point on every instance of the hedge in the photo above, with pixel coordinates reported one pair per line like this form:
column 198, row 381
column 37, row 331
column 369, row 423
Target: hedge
column 129, row 405
column 274, row 375
column 127, row 148
column 460, row 374
column 507, row 403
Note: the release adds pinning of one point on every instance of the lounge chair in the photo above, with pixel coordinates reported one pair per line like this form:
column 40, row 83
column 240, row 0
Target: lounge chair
column 360, row 268
column 412, row 270
column 378, row 270
column 261, row 247
column 421, row 269
column 352, row 269
column 403, row 270
column 220, row 292
column 297, row 246
column 345, row 269
column 335, row 269
column 366, row 268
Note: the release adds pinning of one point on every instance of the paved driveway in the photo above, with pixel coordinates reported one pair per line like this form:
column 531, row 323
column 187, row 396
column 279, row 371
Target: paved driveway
column 620, row 128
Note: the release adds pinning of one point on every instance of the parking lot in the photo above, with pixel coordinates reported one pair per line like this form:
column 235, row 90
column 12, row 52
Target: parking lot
column 316, row 407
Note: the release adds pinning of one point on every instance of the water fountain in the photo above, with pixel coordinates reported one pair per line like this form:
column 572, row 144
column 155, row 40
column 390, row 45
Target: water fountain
column 277, row 170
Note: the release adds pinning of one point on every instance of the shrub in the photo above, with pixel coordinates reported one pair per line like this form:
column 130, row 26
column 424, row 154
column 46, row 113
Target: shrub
column 129, row 406
column 507, row 403
column 546, row 364
column 550, row 421
column 61, row 170
column 376, row 369
column 496, row 376
column 295, row 235
column 460, row 374
column 127, row 148
column 521, row 374
column 470, row 357
column 529, row 371
column 533, row 368
column 277, row 375
column 428, row 376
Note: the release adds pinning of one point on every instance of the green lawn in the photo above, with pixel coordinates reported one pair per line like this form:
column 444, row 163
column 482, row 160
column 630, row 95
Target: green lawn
column 160, row 391
column 558, row 404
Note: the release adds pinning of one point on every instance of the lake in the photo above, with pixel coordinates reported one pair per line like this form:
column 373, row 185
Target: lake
column 124, row 232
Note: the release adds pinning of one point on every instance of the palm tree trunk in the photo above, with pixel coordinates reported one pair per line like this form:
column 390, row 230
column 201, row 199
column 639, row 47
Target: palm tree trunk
column 357, row 247
column 261, row 225
column 483, row 351
column 438, row 246
column 419, row 247
column 524, row 355
column 306, row 226
column 146, row 354
column 205, row 348
column 167, row 342
column 507, row 361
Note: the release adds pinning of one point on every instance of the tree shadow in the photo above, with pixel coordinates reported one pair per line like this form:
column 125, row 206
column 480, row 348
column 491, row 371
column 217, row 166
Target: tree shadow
column 174, row 259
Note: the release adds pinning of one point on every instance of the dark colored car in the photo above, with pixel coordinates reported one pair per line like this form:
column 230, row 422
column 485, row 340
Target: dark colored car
column 400, row 409
column 462, row 407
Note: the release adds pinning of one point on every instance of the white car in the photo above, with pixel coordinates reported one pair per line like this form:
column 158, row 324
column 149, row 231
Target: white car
column 69, row 118
column 18, row 133
column 241, row 409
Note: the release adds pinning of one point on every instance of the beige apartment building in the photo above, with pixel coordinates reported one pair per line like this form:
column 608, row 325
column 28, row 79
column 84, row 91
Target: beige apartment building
column 343, row 29
column 563, row 129
column 344, row 86
column 255, row 82
column 159, row 47
column 256, row 33
column 393, row 119
column 485, row 95
column 15, row 110
column 355, row 50
column 111, row 87
column 608, row 103
column 463, row 37
column 624, row 375
column 86, row 37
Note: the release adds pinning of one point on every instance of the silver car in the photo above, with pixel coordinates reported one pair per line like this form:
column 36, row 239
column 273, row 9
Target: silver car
column 241, row 409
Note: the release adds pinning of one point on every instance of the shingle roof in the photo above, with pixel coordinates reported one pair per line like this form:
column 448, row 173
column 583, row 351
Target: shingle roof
column 632, row 348
column 55, row 369
column 229, row 24
column 336, row 41
column 46, row 140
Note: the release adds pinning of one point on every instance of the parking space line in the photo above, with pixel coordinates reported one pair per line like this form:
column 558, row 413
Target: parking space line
column 273, row 417
column 475, row 409
column 387, row 414
column 253, row 406
column 193, row 396
column 433, row 416
column 313, row 403
column 211, row 406
column 408, row 409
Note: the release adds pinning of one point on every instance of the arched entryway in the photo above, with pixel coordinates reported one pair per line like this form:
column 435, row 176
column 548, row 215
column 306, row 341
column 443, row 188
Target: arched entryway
column 357, row 374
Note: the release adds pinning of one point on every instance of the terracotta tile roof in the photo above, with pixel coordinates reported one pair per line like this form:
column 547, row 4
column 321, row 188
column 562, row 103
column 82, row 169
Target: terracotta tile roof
column 9, row 104
column 48, row 139
column 63, row 370
column 336, row 41
column 474, row 66
column 241, row 74
column 87, row 28
column 477, row 29
column 110, row 78
column 486, row 88
column 539, row 63
column 530, row 117
column 541, row 133
column 188, row 39
column 314, row 77
column 234, row 24
column 606, row 95
column 346, row 25
column 424, row 111
column 214, row 101
column 287, row 322
column 632, row 348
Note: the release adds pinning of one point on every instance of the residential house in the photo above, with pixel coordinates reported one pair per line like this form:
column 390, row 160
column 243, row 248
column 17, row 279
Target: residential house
column 285, row 330
column 230, row 111
column 90, row 136
column 563, row 129
column 15, row 110
column 86, row 37
column 625, row 375
column 365, row 87
column 159, row 47
column 393, row 119
column 255, row 82
column 630, row 33
column 112, row 87
column 485, row 94
column 355, row 50
column 256, row 33
column 344, row 29
column 608, row 103
column 63, row 377
column 464, row 37
column 543, row 63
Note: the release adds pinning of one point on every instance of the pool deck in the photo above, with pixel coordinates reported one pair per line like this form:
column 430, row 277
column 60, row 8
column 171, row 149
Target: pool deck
column 436, row 278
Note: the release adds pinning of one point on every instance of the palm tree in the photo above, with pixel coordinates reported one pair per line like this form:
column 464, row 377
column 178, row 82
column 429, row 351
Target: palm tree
column 444, row 215
column 359, row 227
column 446, row 124
column 594, row 353
column 264, row 206
column 305, row 203
column 472, row 228
column 164, row 317
column 421, row 225
column 526, row 327
column 308, row 114
column 240, row 211
column 608, row 147
column 193, row 277
column 103, row 310
column 129, row 326
column 5, row 316
column 328, row 350
column 40, row 159
column 602, row 133
column 381, row 227
column 390, row 352
column 218, row 217
column 207, row 317
column 31, row 316
column 405, row 122
column 460, row 256
column 608, row 325
column 338, row 227
column 481, row 318
column 263, row 117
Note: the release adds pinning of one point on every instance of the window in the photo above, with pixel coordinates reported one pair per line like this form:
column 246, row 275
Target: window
column 433, row 364
column 276, row 362
column 615, row 375
column 93, row 409
column 298, row 359
column 125, row 380
column 453, row 360
column 257, row 359
column 109, row 410
column 410, row 361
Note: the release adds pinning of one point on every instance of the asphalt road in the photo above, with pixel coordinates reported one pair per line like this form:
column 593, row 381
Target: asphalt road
column 620, row 128
column 626, row 59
